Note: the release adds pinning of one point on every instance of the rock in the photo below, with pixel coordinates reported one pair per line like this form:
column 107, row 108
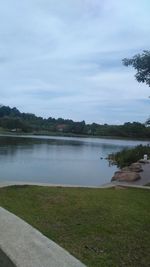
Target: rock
column 136, row 167
column 126, row 176
column 143, row 161
column 126, row 169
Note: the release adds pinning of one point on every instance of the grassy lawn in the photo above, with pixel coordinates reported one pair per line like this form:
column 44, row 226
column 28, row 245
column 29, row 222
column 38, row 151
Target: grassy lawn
column 101, row 227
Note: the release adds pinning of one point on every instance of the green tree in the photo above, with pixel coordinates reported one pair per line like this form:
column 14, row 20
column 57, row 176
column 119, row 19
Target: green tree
column 141, row 63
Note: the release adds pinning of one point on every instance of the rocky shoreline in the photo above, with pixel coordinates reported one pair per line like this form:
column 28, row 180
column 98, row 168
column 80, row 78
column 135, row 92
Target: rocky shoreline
column 131, row 173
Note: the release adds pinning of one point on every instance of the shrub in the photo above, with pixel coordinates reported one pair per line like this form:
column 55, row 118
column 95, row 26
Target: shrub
column 129, row 156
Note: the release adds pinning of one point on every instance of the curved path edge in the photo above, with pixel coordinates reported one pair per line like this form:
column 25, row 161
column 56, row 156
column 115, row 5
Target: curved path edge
column 27, row 247
column 108, row 185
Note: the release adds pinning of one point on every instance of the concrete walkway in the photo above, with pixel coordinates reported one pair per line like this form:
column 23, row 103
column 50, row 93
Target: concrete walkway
column 27, row 247
column 145, row 175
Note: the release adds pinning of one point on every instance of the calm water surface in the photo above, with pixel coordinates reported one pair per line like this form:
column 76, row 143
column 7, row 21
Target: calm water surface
column 58, row 160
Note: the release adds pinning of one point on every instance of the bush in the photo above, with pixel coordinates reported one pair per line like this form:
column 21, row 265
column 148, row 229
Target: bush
column 129, row 156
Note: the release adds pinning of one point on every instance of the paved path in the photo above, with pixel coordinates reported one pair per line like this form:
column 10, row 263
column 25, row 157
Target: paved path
column 145, row 175
column 27, row 247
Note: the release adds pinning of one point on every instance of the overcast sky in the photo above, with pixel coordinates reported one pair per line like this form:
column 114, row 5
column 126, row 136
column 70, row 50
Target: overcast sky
column 63, row 58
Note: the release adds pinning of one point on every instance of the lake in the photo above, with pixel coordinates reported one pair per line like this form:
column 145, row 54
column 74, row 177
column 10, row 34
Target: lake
column 58, row 160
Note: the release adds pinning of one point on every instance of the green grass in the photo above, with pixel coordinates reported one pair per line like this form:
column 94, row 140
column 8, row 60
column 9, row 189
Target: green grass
column 101, row 227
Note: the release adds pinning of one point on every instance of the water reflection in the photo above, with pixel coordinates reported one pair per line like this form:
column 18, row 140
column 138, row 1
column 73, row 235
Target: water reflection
column 57, row 160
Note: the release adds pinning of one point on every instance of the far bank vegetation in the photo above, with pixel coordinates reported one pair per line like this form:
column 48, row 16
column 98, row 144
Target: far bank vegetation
column 12, row 120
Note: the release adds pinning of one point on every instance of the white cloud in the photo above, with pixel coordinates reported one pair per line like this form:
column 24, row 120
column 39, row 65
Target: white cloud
column 63, row 58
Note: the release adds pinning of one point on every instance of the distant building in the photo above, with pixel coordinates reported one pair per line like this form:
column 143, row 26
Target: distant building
column 16, row 130
column 61, row 127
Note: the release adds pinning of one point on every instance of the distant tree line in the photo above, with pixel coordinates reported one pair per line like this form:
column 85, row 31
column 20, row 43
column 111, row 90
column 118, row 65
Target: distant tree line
column 13, row 120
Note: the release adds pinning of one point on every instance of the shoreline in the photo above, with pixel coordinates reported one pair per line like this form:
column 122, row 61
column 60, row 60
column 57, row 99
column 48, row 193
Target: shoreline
column 145, row 179
column 56, row 134
column 104, row 186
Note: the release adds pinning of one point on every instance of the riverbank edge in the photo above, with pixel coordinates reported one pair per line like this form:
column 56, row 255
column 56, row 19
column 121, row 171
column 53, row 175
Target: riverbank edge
column 105, row 186
column 57, row 134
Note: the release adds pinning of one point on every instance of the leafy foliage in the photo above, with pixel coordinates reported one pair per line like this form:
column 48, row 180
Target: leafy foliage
column 13, row 120
column 140, row 62
column 129, row 156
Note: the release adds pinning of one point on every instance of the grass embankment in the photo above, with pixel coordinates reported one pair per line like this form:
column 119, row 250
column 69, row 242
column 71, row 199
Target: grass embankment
column 101, row 227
